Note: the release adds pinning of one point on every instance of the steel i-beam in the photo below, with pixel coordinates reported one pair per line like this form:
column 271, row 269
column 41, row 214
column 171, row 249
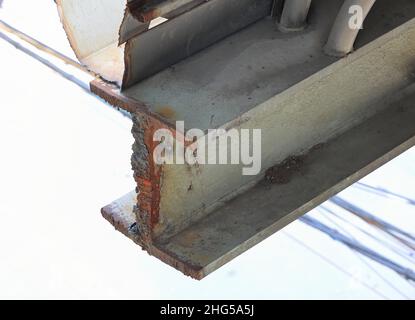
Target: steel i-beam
column 326, row 121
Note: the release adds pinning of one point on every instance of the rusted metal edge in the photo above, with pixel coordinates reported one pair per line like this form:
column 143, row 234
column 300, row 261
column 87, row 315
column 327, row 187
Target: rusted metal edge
column 130, row 27
column 120, row 214
column 111, row 93
column 147, row 174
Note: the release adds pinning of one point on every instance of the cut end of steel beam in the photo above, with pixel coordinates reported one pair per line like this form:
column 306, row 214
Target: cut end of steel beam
column 325, row 121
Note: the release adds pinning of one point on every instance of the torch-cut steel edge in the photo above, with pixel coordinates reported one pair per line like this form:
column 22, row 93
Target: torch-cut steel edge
column 111, row 93
column 121, row 215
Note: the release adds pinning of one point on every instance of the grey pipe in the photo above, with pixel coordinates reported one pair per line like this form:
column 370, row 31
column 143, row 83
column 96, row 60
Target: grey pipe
column 294, row 15
column 342, row 36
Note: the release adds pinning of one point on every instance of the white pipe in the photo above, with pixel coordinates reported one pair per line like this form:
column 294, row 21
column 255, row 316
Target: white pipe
column 294, row 15
column 346, row 27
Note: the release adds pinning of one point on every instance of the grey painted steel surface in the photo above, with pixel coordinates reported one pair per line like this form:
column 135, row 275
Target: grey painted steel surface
column 187, row 34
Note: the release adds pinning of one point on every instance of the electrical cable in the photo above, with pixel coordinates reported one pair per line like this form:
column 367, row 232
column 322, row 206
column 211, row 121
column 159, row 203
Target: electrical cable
column 336, row 266
column 381, row 191
column 399, row 251
column 336, row 235
column 370, row 217
column 390, row 284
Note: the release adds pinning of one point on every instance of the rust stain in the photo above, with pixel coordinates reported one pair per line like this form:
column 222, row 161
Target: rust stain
column 126, row 79
column 139, row 10
column 155, row 171
column 166, row 112
column 283, row 172
column 118, row 221
column 111, row 94
column 147, row 16
column 188, row 238
column 194, row 271
column 149, row 178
